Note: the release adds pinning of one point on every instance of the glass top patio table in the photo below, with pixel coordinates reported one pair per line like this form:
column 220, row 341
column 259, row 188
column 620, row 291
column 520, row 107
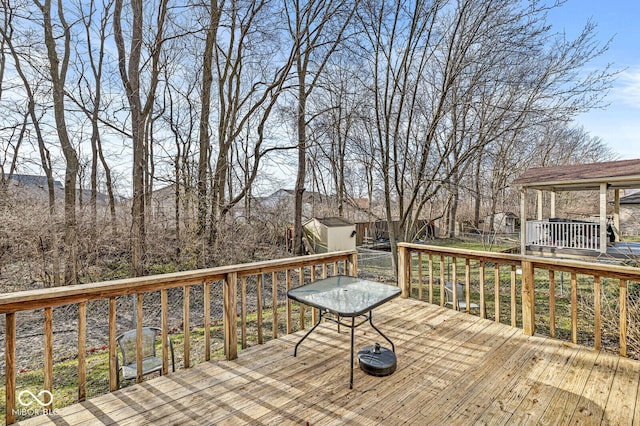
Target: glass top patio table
column 344, row 296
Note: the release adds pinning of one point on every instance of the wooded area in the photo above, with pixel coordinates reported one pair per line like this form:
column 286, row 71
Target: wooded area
column 428, row 107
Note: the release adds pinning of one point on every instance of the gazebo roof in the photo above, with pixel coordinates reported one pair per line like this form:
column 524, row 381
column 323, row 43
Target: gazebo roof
column 623, row 174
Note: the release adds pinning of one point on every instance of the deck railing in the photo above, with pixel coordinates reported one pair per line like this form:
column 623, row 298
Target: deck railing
column 574, row 235
column 524, row 289
column 232, row 278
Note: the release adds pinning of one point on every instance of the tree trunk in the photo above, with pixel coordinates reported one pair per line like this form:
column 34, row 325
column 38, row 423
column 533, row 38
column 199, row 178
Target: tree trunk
column 477, row 193
column 131, row 79
column 298, row 247
column 58, row 71
column 205, row 101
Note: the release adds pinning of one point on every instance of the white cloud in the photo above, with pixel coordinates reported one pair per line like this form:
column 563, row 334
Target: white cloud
column 627, row 89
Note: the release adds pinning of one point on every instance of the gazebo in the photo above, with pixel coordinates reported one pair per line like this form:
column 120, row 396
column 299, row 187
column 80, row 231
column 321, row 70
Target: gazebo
column 553, row 235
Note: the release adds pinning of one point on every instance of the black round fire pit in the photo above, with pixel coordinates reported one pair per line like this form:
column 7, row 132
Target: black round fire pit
column 377, row 361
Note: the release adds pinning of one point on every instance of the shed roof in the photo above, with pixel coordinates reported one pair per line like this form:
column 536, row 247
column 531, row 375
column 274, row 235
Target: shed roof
column 333, row 222
column 624, row 174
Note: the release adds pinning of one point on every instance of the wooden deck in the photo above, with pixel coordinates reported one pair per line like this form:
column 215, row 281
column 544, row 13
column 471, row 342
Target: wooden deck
column 452, row 369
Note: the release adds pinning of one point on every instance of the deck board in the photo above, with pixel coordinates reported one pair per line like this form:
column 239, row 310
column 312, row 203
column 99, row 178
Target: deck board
column 453, row 368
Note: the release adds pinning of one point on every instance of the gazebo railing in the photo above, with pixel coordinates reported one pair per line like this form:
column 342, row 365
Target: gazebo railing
column 561, row 234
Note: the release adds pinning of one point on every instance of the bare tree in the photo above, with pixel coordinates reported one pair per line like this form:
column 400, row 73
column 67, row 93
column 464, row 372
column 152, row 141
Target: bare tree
column 212, row 29
column 58, row 71
column 140, row 110
column 398, row 80
column 468, row 73
column 90, row 88
column 181, row 117
column 250, row 71
column 317, row 28
column 9, row 36
column 339, row 104
column 519, row 89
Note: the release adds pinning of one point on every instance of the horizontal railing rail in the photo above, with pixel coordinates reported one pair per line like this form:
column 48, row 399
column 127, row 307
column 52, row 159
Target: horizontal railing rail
column 233, row 279
column 524, row 287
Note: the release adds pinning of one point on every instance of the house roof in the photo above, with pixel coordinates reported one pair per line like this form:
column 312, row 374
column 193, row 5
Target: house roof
column 623, row 174
column 631, row 199
column 35, row 180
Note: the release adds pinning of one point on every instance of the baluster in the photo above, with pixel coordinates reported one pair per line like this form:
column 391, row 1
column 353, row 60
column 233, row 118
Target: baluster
column 441, row 280
column 139, row 337
column 187, row 326
column 514, row 294
column 419, row 275
column 597, row 321
column 82, row 351
column 314, row 311
column 430, row 278
column 574, row 308
column 207, row 322
column 454, row 282
column 243, row 313
column 10, row 367
column 483, row 309
column 274, row 293
column 113, row 372
column 259, row 308
column 164, row 308
column 496, row 289
column 300, row 283
column 552, row 304
column 467, row 280
column 288, row 284
column 48, row 351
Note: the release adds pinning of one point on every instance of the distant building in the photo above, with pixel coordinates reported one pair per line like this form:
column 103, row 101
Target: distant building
column 36, row 188
column 34, row 180
column 283, row 200
column 630, row 214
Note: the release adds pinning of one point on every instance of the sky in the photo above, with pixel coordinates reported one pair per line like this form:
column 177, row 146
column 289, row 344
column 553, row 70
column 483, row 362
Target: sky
column 618, row 123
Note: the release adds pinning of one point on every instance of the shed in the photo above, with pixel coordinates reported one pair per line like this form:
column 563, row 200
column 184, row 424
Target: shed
column 503, row 222
column 330, row 234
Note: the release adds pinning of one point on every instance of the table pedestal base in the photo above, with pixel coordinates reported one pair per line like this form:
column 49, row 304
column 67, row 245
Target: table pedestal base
column 352, row 326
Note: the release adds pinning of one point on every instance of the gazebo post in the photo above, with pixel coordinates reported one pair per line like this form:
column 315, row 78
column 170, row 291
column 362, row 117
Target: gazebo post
column 616, row 214
column 539, row 203
column 603, row 217
column 523, row 221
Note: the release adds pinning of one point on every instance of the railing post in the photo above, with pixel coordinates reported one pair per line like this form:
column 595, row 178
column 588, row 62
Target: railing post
column 352, row 265
column 404, row 280
column 230, row 313
column 528, row 298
